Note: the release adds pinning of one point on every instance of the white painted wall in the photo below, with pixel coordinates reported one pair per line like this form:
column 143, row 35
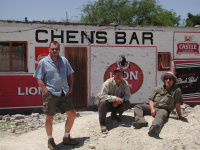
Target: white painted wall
column 100, row 56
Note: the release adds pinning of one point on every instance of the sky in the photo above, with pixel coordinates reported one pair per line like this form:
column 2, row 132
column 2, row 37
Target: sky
column 59, row 10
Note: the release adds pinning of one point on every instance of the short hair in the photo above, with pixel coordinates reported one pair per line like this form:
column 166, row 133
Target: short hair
column 54, row 43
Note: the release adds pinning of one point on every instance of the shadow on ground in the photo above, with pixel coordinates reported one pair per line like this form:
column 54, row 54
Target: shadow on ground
column 81, row 143
column 126, row 122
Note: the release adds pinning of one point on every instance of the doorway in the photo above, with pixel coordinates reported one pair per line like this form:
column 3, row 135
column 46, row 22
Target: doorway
column 77, row 57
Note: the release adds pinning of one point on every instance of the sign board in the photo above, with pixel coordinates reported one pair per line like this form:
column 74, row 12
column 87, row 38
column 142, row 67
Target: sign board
column 132, row 73
column 186, row 45
column 141, row 72
column 40, row 52
column 23, row 91
column 188, row 75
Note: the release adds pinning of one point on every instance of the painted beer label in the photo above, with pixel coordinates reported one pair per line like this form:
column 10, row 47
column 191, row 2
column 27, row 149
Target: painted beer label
column 132, row 73
column 187, row 46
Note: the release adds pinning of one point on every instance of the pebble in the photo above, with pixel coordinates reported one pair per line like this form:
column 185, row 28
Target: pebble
column 13, row 130
column 91, row 146
column 77, row 114
column 18, row 116
column 104, row 136
column 7, row 119
column 35, row 115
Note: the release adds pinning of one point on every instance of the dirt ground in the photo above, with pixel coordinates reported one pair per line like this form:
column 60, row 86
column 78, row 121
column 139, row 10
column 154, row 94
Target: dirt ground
column 175, row 135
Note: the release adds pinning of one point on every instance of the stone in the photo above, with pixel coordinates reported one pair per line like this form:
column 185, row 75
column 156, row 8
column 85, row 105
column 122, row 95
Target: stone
column 78, row 115
column 35, row 119
column 18, row 116
column 42, row 121
column 7, row 119
column 16, row 123
column 91, row 146
column 104, row 135
column 13, row 130
column 35, row 115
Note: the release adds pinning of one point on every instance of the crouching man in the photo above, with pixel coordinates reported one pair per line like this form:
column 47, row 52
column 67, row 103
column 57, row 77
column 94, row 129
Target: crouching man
column 163, row 100
column 113, row 97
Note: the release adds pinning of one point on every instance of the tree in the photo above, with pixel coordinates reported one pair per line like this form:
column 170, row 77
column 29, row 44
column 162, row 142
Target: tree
column 106, row 12
column 150, row 13
column 192, row 20
column 129, row 12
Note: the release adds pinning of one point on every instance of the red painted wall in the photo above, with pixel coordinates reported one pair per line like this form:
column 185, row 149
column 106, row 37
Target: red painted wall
column 19, row 91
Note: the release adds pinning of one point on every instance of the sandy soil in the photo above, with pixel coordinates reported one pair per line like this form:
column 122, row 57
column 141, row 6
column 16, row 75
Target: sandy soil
column 175, row 135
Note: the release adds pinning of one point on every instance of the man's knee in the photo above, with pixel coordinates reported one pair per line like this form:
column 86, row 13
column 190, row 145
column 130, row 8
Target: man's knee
column 102, row 104
column 71, row 114
column 49, row 119
column 143, row 107
column 139, row 106
column 162, row 113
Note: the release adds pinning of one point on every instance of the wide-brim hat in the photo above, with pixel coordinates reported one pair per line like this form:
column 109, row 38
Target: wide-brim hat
column 168, row 74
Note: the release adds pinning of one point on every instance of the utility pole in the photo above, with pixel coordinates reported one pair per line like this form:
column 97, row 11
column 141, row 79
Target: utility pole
column 66, row 16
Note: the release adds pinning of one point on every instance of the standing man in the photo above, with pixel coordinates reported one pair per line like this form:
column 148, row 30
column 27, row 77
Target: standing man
column 114, row 96
column 55, row 78
column 162, row 101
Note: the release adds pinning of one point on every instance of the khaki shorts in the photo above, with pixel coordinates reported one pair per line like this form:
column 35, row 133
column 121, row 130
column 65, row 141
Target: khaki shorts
column 51, row 103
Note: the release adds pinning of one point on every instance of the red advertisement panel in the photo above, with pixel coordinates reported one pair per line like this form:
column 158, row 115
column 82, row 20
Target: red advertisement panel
column 19, row 91
column 40, row 52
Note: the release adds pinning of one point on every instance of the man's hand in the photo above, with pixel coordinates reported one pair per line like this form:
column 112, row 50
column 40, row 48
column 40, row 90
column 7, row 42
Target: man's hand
column 115, row 104
column 70, row 79
column 70, row 91
column 153, row 112
column 117, row 101
column 151, row 105
column 182, row 118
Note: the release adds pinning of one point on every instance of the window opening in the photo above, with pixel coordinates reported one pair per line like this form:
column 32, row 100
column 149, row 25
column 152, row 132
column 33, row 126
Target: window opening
column 13, row 56
column 164, row 61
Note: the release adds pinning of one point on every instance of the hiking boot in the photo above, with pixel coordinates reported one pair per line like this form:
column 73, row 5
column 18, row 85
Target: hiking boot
column 52, row 145
column 154, row 130
column 103, row 127
column 69, row 141
column 115, row 117
column 139, row 124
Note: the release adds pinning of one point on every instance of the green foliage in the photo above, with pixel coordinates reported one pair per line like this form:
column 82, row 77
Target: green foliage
column 192, row 20
column 9, row 124
column 106, row 11
column 6, row 124
column 128, row 12
column 59, row 118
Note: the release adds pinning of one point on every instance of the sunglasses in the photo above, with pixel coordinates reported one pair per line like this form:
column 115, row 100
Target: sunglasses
column 168, row 78
column 55, row 49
